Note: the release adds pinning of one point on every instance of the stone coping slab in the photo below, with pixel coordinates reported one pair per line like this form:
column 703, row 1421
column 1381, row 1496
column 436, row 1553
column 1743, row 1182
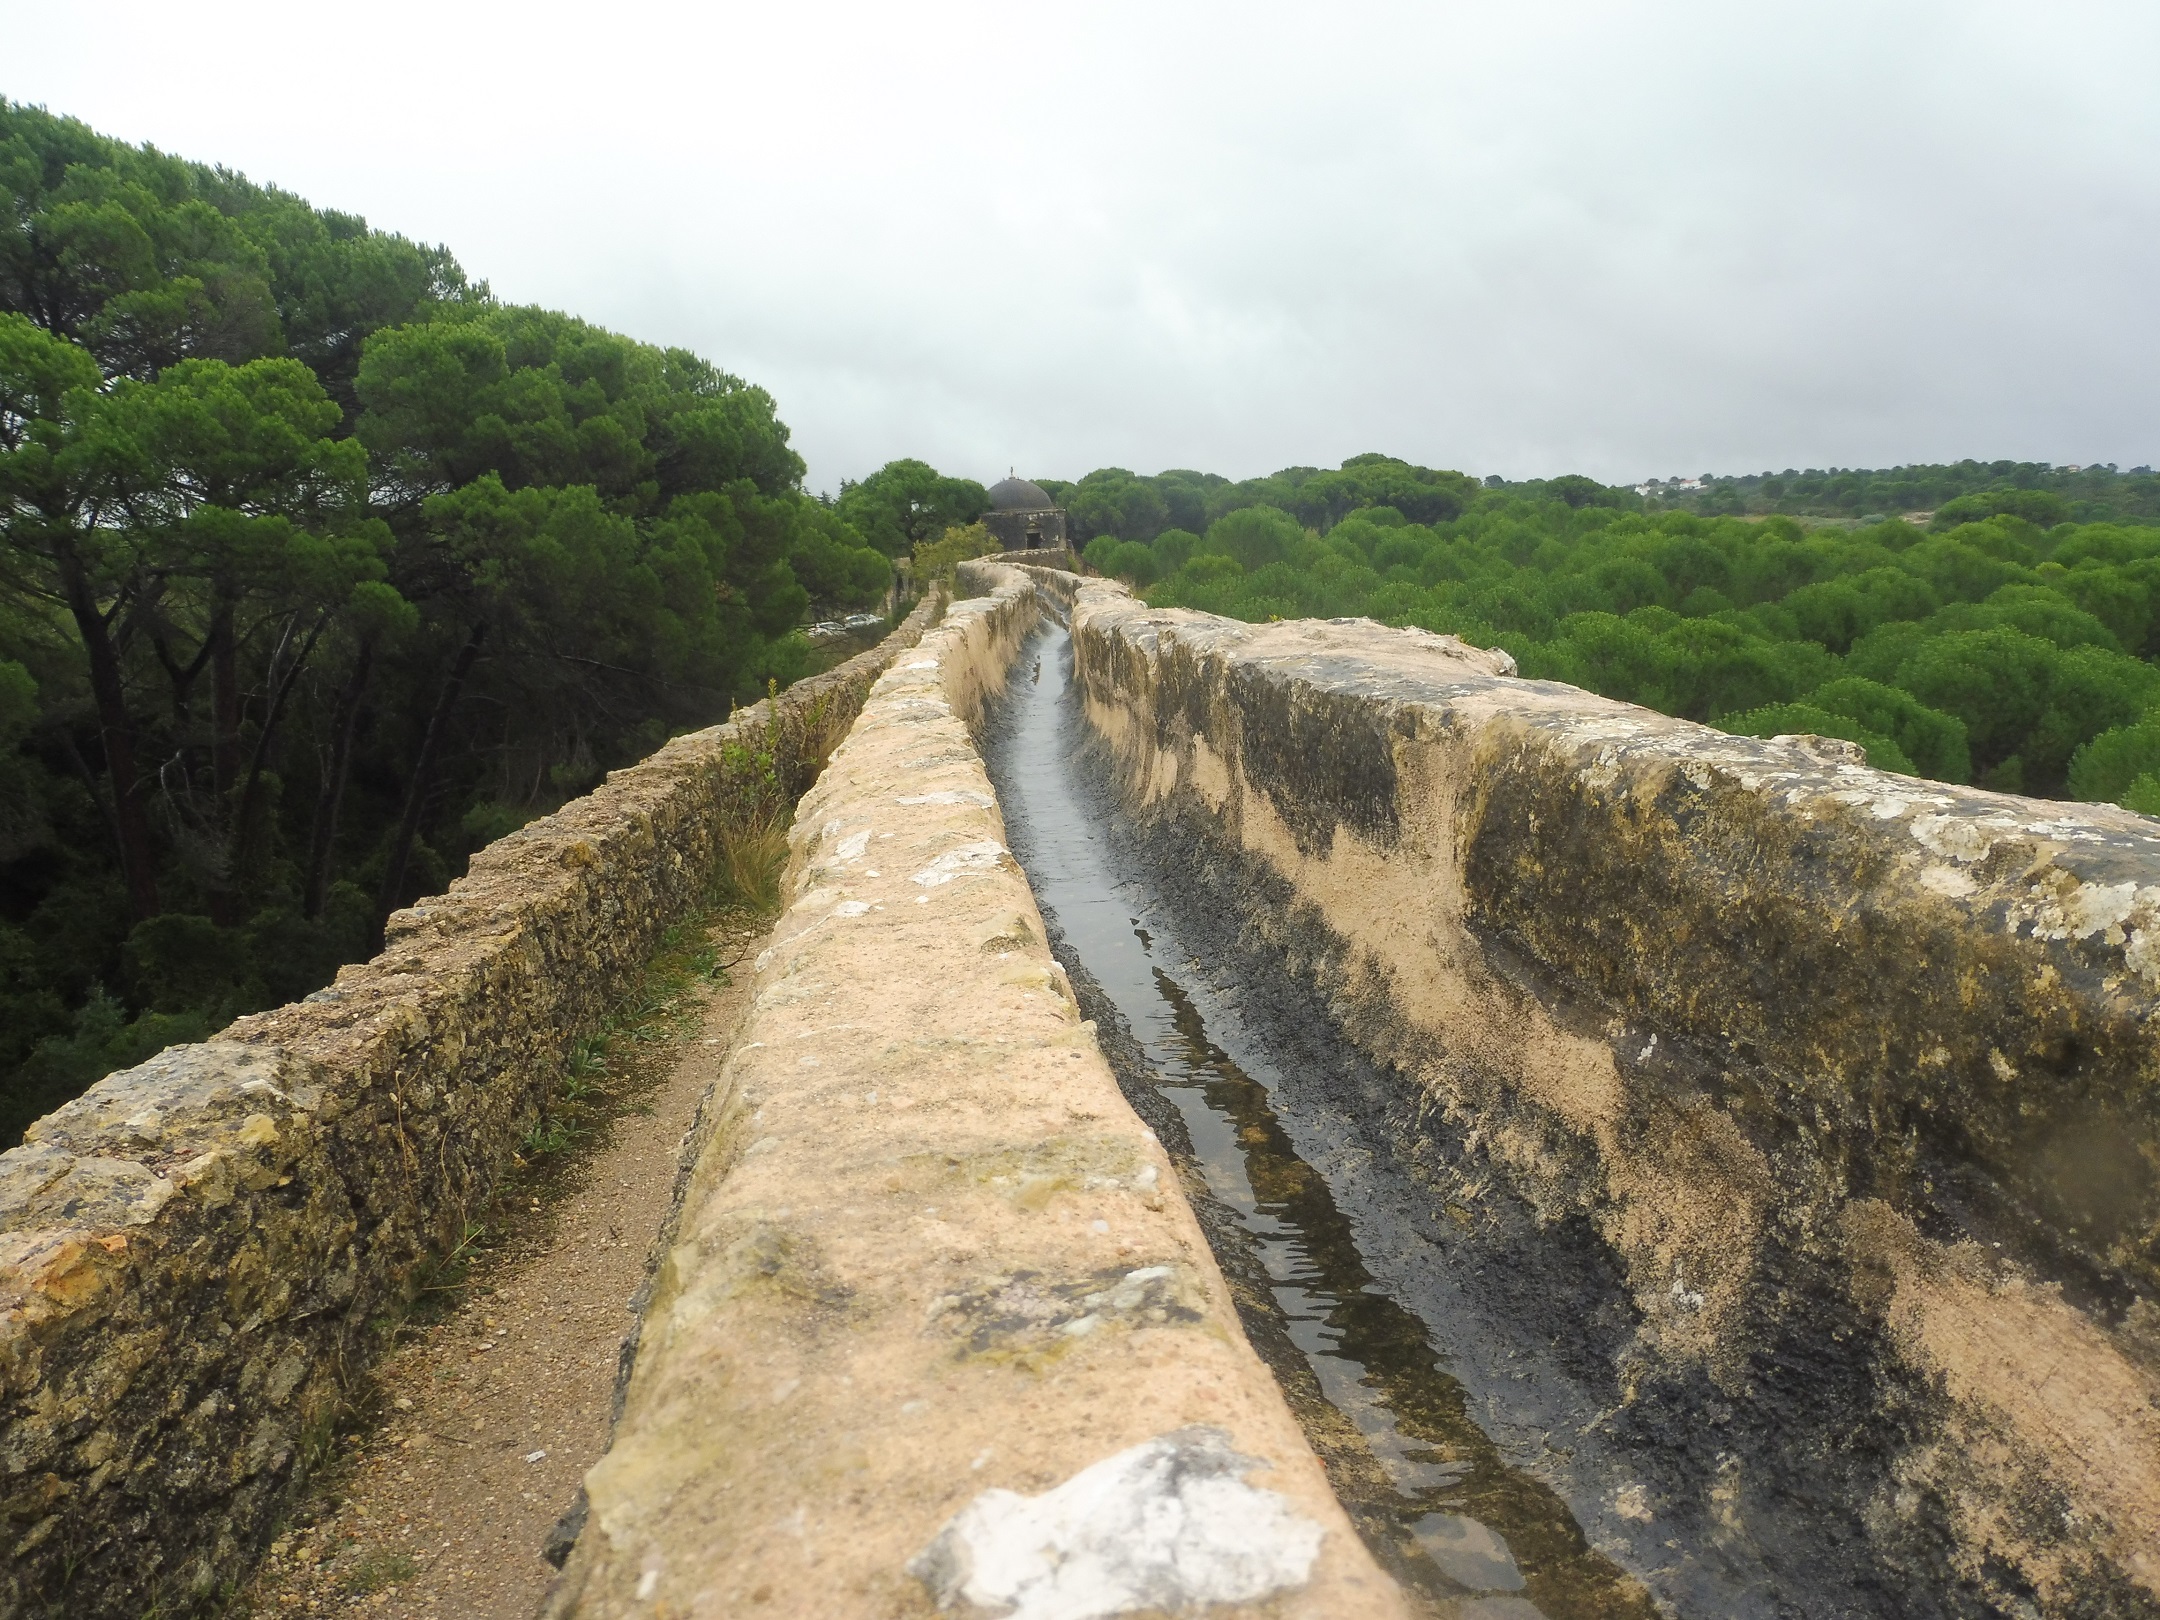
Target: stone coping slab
column 936, row 1327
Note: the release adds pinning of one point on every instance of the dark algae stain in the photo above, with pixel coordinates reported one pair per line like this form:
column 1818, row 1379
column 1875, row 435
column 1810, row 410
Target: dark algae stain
column 1301, row 740
column 1464, row 1527
column 1950, row 1069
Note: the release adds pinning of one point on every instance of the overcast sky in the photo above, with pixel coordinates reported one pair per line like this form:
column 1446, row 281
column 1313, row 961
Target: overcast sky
column 1528, row 237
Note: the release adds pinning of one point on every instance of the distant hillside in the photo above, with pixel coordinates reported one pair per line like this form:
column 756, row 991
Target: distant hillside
column 2096, row 494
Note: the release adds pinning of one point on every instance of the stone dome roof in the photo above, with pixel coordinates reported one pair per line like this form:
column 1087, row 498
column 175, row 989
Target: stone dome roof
column 1018, row 495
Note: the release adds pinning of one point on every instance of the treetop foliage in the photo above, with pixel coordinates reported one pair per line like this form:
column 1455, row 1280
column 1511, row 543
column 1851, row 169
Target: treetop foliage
column 319, row 568
column 2001, row 639
column 1112, row 501
column 906, row 504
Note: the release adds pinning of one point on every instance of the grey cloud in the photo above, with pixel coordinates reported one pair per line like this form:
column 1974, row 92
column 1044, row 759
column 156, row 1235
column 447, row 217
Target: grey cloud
column 1630, row 240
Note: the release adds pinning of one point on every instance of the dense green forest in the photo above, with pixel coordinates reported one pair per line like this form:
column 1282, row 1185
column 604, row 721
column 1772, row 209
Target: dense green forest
column 2006, row 641
column 2039, row 493
column 320, row 568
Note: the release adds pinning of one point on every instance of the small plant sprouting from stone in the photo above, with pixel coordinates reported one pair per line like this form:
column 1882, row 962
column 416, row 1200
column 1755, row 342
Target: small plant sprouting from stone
column 584, row 1073
column 448, row 1274
column 550, row 1136
column 379, row 1569
column 762, row 773
column 763, row 770
column 693, row 956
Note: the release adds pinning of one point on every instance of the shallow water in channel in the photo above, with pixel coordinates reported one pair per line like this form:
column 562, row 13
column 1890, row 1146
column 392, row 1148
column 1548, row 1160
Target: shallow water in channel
column 1432, row 1492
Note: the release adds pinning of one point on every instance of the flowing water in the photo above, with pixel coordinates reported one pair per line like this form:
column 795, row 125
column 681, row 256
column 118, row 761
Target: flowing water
column 1476, row 1534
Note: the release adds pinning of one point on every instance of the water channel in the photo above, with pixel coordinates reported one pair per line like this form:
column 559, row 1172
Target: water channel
column 1470, row 1459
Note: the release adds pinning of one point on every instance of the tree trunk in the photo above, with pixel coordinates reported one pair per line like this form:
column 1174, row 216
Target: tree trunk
column 225, row 705
column 182, row 677
column 243, row 821
column 116, row 734
column 224, row 753
column 416, row 791
column 322, row 844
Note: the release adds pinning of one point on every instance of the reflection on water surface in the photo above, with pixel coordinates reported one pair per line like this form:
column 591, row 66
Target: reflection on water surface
column 1427, row 1487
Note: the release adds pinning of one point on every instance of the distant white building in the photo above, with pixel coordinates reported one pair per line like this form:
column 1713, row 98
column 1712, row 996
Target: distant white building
column 1668, row 486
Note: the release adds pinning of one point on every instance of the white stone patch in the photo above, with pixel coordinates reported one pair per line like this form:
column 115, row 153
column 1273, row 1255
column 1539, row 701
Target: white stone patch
column 2104, row 909
column 1167, row 1525
column 978, row 856
column 2100, row 907
column 2065, row 831
column 851, row 908
column 1688, row 1299
column 1604, row 726
column 1949, row 881
column 851, row 847
column 2142, row 955
column 1956, row 837
column 910, row 705
column 981, row 801
column 1832, row 753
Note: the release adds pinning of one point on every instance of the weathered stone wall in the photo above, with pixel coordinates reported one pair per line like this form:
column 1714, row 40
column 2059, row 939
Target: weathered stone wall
column 1853, row 1079
column 1057, row 578
column 196, row 1255
column 934, row 1328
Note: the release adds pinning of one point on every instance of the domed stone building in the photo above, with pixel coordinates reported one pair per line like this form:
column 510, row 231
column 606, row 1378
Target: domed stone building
column 1022, row 516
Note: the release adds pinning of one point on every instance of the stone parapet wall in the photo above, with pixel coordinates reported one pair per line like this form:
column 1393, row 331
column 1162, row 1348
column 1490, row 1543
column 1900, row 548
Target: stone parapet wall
column 1852, row 1080
column 934, row 1328
column 1055, row 578
column 197, row 1256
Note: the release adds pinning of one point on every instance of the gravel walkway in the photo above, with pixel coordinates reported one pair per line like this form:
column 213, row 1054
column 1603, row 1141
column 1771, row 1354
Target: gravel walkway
column 489, row 1416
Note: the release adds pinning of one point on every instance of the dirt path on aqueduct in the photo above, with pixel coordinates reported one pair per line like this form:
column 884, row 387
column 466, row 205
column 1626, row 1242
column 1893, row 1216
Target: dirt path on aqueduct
column 489, row 1417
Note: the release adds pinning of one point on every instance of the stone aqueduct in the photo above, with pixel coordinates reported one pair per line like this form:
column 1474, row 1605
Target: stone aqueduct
column 1848, row 1084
